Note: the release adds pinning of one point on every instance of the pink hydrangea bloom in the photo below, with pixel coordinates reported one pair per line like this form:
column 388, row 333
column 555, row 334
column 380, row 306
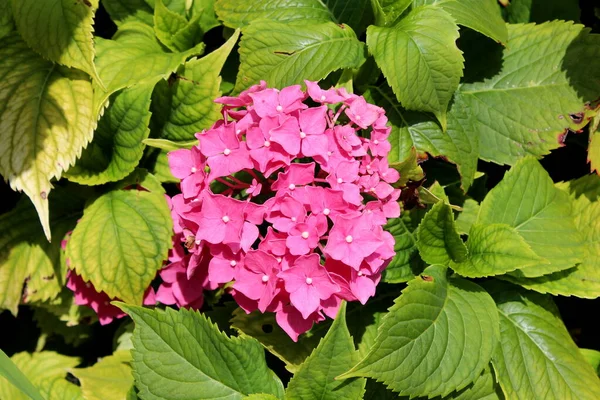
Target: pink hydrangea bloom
column 283, row 205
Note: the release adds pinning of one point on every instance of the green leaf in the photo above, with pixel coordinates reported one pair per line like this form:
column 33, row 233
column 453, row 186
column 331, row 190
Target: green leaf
column 26, row 253
column 192, row 107
column 356, row 13
column 124, row 11
column 494, row 250
column 182, row 355
column 236, row 14
column 406, row 263
column 426, row 73
column 594, row 145
column 135, row 56
column 438, row 337
column 51, row 325
column 437, row 238
column 265, row 329
column 59, row 30
column 538, row 94
column 10, row 372
column 592, row 357
column 416, row 130
column 583, row 280
column 284, row 54
column 260, row 396
column 527, row 200
column 37, row 368
column 109, row 378
column 482, row 16
column 174, row 30
column 536, row 358
column 205, row 10
column 168, row 145
column 387, row 11
column 467, row 217
column 46, row 119
column 7, row 24
column 485, row 387
column 118, row 141
column 58, row 388
column 334, row 355
column 121, row 241
column 523, row 11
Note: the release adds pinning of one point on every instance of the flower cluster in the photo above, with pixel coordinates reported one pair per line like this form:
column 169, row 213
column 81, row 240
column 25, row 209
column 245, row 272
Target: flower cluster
column 283, row 202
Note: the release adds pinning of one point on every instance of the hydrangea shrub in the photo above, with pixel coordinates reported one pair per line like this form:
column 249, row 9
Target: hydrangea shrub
column 299, row 199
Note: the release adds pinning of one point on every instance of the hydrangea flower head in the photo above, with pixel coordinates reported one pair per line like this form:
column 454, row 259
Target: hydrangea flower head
column 283, row 204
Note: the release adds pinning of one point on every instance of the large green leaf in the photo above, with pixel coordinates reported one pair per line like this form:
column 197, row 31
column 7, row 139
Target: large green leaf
column 284, row 54
column 335, row 354
column 437, row 238
column 38, row 368
column 438, row 337
column 59, row 30
column 135, row 56
column 7, row 24
column 467, row 217
column 109, row 378
column 387, row 11
column 174, row 30
column 182, row 355
column 46, row 119
column 236, row 14
column 495, row 249
column 123, row 11
column 26, row 253
column 58, row 388
column 10, row 372
column 356, row 13
column 527, row 200
column 548, row 72
column 583, row 280
column 191, row 107
column 406, row 262
column 592, row 357
column 118, row 141
column 121, row 241
column 482, row 16
column 426, row 73
column 536, row 358
column 523, row 11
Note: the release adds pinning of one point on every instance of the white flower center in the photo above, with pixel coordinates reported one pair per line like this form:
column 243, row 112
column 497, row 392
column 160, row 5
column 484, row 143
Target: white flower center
column 293, row 219
column 225, row 218
column 279, row 259
column 238, row 131
column 198, row 241
column 329, row 153
column 302, row 135
column 292, row 186
column 265, row 278
column 279, row 108
column 359, row 273
column 357, row 117
column 372, row 189
column 326, row 211
column 227, row 152
column 233, row 263
column 375, row 141
column 323, row 97
column 267, row 143
column 340, row 180
column 305, row 235
column 193, row 170
column 349, row 239
column 309, row 281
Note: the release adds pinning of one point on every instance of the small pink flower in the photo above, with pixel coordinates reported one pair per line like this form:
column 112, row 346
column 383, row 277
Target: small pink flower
column 257, row 279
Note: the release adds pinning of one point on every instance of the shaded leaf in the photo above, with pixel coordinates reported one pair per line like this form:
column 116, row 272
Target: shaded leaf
column 406, row 263
column 437, row 238
column 236, row 14
column 110, row 378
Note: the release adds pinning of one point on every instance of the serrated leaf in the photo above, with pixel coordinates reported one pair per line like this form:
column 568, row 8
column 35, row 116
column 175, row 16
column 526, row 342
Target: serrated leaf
column 205, row 10
column 539, row 92
column 425, row 345
column 37, row 367
column 416, row 130
column 536, row 358
column 124, row 11
column 7, row 24
column 523, row 11
column 135, row 56
column 182, row 355
column 594, row 145
column 583, row 280
column 265, row 329
column 12, row 374
column 406, row 262
column 118, row 140
column 121, row 241
column 59, row 30
column 46, row 119
column 527, row 200
column 356, row 13
column 26, row 253
column 482, row 16
column 494, row 250
column 191, row 107
column 110, row 378
column 174, row 30
column 334, row 355
column 592, row 357
column 425, row 75
column 387, row 11
column 437, row 239
column 284, row 54
column 468, row 216
column 236, row 14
